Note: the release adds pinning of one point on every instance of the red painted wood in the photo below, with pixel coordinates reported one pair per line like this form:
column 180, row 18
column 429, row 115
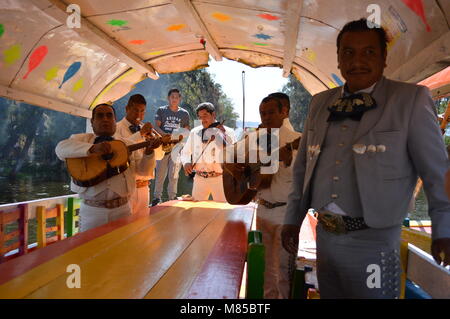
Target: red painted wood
column 221, row 274
column 22, row 264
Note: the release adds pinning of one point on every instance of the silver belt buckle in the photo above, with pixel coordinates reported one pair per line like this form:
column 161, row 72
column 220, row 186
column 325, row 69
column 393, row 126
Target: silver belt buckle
column 332, row 223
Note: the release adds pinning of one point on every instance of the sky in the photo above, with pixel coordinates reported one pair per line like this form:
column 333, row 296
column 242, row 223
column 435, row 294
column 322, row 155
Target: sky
column 258, row 84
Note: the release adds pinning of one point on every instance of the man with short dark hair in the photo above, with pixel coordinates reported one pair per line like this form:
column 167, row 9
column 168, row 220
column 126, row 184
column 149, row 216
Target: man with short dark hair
column 109, row 199
column 286, row 104
column 169, row 119
column 133, row 128
column 364, row 145
column 203, row 154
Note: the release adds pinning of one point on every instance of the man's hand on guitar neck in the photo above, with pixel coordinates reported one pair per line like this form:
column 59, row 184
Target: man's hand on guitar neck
column 155, row 143
column 100, row 149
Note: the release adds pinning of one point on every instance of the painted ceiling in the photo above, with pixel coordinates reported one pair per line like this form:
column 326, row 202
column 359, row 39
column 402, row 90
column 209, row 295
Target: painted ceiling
column 48, row 59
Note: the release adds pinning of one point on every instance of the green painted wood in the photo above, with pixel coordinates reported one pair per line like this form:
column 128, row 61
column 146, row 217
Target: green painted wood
column 73, row 208
column 255, row 266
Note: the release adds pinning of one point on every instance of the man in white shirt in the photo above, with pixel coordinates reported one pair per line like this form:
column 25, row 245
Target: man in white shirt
column 286, row 107
column 131, row 127
column 109, row 199
column 272, row 199
column 203, row 154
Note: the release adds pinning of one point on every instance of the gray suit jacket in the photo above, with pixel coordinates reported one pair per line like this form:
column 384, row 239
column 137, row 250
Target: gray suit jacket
column 405, row 123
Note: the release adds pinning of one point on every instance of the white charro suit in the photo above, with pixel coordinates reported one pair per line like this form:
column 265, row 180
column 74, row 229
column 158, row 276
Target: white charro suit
column 141, row 197
column 122, row 185
column 405, row 123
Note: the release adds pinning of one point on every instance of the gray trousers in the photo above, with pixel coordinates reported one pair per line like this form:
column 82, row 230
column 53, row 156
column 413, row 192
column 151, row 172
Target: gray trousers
column 162, row 167
column 359, row 264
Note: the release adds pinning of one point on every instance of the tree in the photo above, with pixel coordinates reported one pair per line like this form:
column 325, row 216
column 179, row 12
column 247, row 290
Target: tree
column 300, row 99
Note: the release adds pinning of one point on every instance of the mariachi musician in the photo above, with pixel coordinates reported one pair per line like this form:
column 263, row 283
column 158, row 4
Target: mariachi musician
column 272, row 197
column 131, row 127
column 109, row 199
column 203, row 154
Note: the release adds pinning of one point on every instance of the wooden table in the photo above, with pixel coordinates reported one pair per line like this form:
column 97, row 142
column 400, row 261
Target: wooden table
column 179, row 250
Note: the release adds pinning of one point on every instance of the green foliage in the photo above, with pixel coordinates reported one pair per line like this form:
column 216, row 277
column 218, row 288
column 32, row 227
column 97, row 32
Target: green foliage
column 300, row 99
column 195, row 86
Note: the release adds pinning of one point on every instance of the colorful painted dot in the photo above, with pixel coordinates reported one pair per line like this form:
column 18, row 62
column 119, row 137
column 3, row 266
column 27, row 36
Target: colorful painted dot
column 331, row 85
column 78, row 85
column 50, row 74
column 263, row 36
column 12, row 54
column 268, row 17
column 2, row 29
column 337, row 79
column 221, row 17
column 117, row 23
column 176, row 27
column 242, row 47
column 261, row 44
column 155, row 52
column 137, row 41
column 311, row 56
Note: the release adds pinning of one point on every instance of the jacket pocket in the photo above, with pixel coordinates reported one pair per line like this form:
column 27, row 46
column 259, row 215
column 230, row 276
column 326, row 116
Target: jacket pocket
column 393, row 162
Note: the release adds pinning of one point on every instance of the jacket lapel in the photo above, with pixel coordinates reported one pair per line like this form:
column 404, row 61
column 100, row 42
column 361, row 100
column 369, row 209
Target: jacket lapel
column 321, row 123
column 371, row 118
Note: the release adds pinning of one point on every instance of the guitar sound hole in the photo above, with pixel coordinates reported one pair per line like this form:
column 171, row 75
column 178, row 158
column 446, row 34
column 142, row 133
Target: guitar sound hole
column 108, row 157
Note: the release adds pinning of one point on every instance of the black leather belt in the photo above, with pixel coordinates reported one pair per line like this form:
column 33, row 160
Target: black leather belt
column 270, row 205
column 338, row 224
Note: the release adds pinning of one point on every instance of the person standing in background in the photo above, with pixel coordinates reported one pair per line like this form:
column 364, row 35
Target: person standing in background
column 168, row 119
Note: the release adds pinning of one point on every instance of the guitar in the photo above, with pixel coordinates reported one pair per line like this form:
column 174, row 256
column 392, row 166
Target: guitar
column 241, row 181
column 92, row 170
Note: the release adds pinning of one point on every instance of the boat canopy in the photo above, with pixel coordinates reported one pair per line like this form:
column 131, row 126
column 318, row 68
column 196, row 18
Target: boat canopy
column 71, row 55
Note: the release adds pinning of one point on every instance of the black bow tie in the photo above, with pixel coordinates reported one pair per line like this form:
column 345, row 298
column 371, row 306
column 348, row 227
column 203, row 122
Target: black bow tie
column 352, row 106
column 134, row 128
column 103, row 138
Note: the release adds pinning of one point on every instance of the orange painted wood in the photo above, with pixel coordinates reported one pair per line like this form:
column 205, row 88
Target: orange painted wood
column 10, row 217
column 22, row 285
column 177, row 281
column 137, row 254
column 221, row 275
column 11, row 235
column 132, row 264
column 19, row 215
column 42, row 214
column 21, row 265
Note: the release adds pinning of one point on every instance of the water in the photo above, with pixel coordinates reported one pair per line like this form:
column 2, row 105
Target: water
column 30, row 188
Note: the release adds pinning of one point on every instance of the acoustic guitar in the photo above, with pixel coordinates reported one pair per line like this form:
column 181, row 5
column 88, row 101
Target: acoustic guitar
column 241, row 181
column 92, row 170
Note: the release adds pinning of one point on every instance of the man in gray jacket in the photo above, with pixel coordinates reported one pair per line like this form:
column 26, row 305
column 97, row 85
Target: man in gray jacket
column 363, row 147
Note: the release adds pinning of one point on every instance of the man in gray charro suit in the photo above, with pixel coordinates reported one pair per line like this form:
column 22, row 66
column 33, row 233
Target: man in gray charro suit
column 363, row 147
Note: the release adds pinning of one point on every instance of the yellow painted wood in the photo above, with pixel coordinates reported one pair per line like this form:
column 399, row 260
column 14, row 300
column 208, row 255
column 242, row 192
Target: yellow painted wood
column 41, row 275
column 41, row 226
column 178, row 279
column 131, row 266
column 60, row 221
column 419, row 223
column 419, row 239
column 404, row 265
